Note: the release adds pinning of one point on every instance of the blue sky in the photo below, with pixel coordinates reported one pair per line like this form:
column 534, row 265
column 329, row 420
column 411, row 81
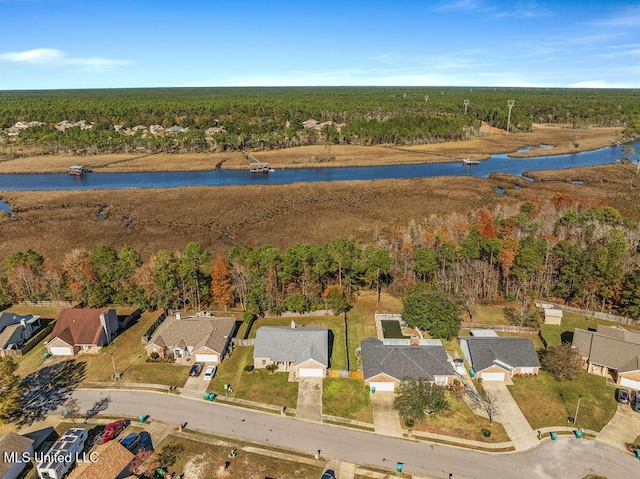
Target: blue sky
column 112, row 44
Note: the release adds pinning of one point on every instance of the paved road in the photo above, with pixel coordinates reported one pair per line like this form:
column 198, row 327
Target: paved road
column 565, row 458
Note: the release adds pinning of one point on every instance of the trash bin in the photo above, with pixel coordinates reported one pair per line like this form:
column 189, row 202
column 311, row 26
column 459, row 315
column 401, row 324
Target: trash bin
column 142, row 419
column 637, row 453
column 554, row 436
column 65, row 412
column 46, row 355
column 472, row 373
column 399, row 466
column 373, row 389
column 578, row 433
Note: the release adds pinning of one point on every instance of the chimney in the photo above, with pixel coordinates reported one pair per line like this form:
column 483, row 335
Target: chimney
column 105, row 326
column 178, row 316
column 293, row 324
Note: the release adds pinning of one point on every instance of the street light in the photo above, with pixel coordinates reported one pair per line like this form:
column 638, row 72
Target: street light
column 575, row 418
column 113, row 363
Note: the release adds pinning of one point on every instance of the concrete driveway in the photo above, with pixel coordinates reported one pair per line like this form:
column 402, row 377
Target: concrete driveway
column 195, row 386
column 385, row 417
column 309, row 405
column 511, row 418
column 623, row 428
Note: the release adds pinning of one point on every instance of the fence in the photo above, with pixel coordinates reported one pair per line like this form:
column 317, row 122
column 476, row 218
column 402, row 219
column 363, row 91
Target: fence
column 243, row 342
column 503, row 328
column 386, row 316
column 49, row 304
column 342, row 373
column 135, row 315
column 147, row 336
column 597, row 314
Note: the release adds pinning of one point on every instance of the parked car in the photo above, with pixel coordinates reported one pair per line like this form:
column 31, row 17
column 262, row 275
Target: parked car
column 624, row 396
column 328, row 474
column 196, row 369
column 131, row 441
column 210, row 373
column 111, row 431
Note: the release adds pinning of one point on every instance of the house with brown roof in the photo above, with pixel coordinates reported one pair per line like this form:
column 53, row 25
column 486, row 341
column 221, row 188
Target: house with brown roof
column 205, row 338
column 611, row 352
column 12, row 446
column 82, row 330
column 108, row 461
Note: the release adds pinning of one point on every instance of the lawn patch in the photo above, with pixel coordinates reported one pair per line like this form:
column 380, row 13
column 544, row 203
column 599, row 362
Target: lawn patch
column 546, row 402
column 348, row 398
column 555, row 335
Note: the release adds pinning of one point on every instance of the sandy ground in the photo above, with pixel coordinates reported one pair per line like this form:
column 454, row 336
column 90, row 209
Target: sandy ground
column 491, row 141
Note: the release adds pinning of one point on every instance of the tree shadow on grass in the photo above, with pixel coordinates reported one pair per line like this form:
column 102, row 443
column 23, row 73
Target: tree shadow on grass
column 47, row 389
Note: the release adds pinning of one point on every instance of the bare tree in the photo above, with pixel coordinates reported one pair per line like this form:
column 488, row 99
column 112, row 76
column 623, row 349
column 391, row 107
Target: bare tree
column 72, row 408
column 489, row 403
column 524, row 313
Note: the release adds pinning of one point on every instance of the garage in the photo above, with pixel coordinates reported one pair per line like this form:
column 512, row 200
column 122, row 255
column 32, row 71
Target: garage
column 382, row 386
column 630, row 383
column 61, row 351
column 207, row 358
column 492, row 376
column 310, row 373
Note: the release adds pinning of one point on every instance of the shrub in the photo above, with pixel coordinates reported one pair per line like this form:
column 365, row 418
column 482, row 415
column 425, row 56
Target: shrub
column 248, row 368
column 486, row 433
column 271, row 367
column 154, row 355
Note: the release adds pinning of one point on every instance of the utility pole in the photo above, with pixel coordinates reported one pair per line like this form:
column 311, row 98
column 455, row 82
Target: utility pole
column 466, row 104
column 510, row 105
column 575, row 418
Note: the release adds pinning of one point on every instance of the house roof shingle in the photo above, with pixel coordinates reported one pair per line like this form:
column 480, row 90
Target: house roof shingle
column 79, row 325
column 280, row 343
column 399, row 361
column 510, row 350
column 12, row 442
column 195, row 333
column 112, row 459
column 615, row 348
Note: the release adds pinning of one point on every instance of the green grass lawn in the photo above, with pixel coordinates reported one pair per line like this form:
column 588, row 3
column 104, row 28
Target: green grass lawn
column 460, row 421
column 555, row 335
column 490, row 314
column 542, row 404
column 348, row 398
column 258, row 385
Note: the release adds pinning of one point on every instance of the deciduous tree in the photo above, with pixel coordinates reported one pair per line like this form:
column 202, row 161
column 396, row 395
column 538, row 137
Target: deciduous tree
column 9, row 388
column 221, row 282
column 562, row 361
column 417, row 399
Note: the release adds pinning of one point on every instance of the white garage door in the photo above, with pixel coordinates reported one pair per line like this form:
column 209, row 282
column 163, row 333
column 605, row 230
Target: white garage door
column 492, row 376
column 207, row 358
column 61, row 351
column 630, row 383
column 310, row 372
column 383, row 387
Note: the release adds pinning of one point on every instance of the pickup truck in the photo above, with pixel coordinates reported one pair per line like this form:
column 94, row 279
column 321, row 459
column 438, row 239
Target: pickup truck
column 111, row 431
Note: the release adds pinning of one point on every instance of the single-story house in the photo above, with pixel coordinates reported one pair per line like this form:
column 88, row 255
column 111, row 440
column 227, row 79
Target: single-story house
column 552, row 316
column 612, row 352
column 386, row 362
column 85, row 330
column 12, row 446
column 304, row 350
column 500, row 357
column 207, row 339
column 111, row 461
column 15, row 329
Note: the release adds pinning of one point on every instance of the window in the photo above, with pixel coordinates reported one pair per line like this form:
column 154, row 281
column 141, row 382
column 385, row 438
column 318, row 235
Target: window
column 264, row 362
column 441, row 381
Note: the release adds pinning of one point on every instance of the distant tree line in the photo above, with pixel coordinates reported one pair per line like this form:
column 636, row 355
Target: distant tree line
column 266, row 118
column 582, row 254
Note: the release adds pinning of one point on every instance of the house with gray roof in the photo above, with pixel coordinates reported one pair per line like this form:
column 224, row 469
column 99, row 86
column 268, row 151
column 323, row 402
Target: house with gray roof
column 12, row 446
column 303, row 350
column 501, row 357
column 15, row 329
column 611, row 352
column 386, row 362
column 205, row 338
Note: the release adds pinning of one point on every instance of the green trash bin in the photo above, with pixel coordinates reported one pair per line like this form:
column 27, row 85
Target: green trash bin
column 637, row 453
column 554, row 436
column 373, row 389
column 142, row 419
column 46, row 355
column 578, row 433
column 399, row 466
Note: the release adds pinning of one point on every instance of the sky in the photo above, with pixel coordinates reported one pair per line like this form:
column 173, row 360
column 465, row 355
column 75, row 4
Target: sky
column 63, row 44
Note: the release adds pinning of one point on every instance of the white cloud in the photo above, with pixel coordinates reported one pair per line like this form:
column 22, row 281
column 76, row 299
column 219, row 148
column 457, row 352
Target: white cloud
column 460, row 6
column 55, row 57
column 600, row 84
column 525, row 10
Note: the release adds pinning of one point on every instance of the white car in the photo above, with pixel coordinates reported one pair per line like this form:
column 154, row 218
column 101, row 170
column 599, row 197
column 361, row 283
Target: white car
column 209, row 373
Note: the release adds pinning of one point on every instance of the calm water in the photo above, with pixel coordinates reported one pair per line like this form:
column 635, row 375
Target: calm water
column 496, row 164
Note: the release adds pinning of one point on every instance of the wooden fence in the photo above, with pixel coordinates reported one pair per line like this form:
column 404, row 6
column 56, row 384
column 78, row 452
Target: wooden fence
column 503, row 328
column 49, row 304
column 32, row 342
column 243, row 342
column 147, row 336
column 597, row 314
column 133, row 316
column 342, row 373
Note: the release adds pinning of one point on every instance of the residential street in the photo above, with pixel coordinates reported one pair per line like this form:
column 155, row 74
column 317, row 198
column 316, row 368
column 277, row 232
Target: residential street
column 564, row 458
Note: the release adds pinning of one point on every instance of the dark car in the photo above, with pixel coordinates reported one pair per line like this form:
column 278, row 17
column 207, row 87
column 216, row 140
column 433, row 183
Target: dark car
column 624, row 396
column 636, row 404
column 196, row 369
column 131, row 441
column 328, row 474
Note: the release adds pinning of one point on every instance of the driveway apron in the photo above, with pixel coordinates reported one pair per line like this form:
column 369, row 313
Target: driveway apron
column 511, row 418
column 309, row 404
column 385, row 417
column 623, row 428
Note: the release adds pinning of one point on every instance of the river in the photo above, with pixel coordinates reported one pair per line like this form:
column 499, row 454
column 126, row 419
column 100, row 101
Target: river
column 500, row 163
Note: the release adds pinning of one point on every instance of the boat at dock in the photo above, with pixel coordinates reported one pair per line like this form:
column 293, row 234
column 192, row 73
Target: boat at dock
column 469, row 161
column 77, row 170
